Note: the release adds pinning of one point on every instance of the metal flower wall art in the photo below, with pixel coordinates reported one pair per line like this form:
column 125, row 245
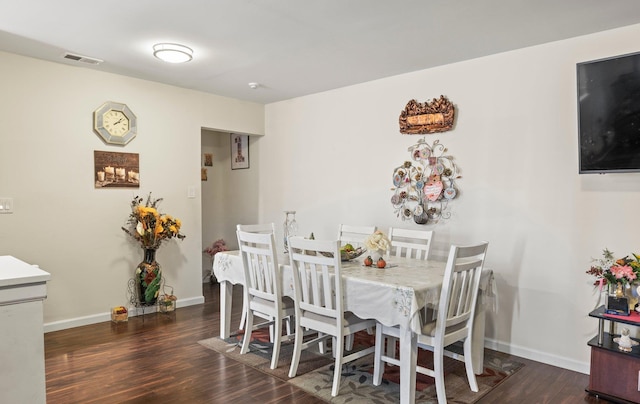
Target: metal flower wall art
column 424, row 185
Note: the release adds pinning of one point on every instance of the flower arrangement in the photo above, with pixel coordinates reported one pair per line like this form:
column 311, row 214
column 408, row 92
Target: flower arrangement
column 611, row 271
column 148, row 226
column 377, row 241
column 216, row 247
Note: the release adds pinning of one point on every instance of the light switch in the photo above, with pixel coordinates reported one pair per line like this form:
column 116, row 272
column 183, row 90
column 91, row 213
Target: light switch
column 191, row 192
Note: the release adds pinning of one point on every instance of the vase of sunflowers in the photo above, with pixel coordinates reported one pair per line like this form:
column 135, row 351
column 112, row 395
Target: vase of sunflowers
column 150, row 228
column 148, row 277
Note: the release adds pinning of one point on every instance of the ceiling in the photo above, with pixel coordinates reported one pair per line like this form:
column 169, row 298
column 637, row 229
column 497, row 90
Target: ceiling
column 293, row 47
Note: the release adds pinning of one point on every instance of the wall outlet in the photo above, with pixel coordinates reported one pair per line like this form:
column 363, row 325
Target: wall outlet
column 6, row 205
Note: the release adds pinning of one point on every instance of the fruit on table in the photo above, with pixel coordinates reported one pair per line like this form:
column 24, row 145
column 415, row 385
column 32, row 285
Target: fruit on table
column 381, row 263
column 348, row 248
column 368, row 261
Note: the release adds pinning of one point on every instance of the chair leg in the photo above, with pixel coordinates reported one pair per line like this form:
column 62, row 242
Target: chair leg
column 277, row 338
column 334, row 344
column 244, row 313
column 297, row 351
column 391, row 346
column 438, row 369
column 322, row 348
column 272, row 332
column 468, row 364
column 378, row 364
column 247, row 333
column 288, row 322
column 349, row 342
column 338, row 351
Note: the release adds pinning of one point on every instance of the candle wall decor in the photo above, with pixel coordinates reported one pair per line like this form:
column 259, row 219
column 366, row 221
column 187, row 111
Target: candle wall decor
column 424, row 185
column 116, row 170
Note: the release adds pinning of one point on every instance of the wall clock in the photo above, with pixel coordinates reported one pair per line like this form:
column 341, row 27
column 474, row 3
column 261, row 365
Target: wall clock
column 115, row 123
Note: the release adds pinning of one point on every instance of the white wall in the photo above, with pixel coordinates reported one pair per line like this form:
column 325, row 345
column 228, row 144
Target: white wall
column 65, row 225
column 331, row 156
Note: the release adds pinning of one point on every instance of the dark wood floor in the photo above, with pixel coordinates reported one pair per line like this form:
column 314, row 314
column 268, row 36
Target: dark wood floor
column 156, row 359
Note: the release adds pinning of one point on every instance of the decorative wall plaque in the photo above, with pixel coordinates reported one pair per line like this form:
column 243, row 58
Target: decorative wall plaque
column 424, row 185
column 429, row 117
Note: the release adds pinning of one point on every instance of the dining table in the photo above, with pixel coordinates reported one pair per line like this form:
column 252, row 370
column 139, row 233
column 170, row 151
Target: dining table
column 394, row 296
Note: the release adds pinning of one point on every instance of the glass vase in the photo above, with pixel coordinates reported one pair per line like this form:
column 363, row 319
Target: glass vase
column 290, row 227
column 630, row 292
column 148, row 278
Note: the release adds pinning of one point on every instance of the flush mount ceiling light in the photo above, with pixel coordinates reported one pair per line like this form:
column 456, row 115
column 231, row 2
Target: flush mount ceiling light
column 172, row 52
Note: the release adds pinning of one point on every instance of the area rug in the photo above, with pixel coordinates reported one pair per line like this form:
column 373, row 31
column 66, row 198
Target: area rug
column 260, row 350
column 315, row 372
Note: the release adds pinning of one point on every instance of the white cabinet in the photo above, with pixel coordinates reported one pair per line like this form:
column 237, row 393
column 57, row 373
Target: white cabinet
column 23, row 287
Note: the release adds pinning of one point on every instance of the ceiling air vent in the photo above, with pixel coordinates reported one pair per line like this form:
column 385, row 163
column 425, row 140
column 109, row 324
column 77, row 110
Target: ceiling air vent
column 83, row 59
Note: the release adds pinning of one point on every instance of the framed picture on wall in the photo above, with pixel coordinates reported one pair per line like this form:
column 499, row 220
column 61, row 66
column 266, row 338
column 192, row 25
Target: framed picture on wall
column 239, row 151
column 116, row 170
column 208, row 159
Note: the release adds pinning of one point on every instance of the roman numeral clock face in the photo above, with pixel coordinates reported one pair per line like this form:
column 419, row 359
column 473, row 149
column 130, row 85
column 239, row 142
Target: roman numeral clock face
column 115, row 123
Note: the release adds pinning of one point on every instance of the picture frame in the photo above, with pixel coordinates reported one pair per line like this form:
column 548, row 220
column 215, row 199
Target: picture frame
column 116, row 170
column 208, row 159
column 239, row 151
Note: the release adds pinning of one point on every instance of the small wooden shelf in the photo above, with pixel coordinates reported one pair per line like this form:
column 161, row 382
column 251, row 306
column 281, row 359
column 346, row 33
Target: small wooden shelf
column 614, row 374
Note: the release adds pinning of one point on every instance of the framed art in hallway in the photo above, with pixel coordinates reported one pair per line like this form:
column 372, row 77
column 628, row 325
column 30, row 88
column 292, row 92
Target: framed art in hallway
column 239, row 151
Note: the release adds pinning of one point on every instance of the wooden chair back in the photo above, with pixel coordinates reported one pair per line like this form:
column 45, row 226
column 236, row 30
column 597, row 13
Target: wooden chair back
column 317, row 282
column 410, row 243
column 260, row 262
column 354, row 235
column 459, row 293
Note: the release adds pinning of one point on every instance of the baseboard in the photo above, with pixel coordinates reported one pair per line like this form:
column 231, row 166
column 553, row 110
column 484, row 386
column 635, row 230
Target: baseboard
column 102, row 317
column 538, row 356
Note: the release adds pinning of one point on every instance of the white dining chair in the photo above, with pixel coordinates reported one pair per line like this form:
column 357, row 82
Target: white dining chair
column 264, row 228
column 262, row 288
column 319, row 305
column 354, row 235
column 257, row 228
column 454, row 321
column 410, row 243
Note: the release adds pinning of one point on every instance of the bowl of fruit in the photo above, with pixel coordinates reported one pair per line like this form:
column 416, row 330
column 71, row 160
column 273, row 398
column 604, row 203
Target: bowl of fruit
column 347, row 252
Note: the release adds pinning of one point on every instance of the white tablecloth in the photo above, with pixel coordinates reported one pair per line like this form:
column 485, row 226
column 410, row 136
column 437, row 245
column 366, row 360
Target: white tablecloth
column 392, row 296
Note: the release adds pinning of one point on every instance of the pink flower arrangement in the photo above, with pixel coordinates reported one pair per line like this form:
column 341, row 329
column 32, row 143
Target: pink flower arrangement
column 216, row 247
column 609, row 270
column 625, row 272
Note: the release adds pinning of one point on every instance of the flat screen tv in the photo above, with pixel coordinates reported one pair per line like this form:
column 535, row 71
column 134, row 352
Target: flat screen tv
column 609, row 115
